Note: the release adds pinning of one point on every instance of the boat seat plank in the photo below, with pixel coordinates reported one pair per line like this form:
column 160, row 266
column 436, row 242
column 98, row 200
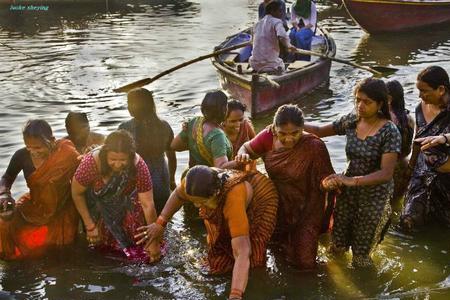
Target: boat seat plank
column 229, row 58
column 298, row 64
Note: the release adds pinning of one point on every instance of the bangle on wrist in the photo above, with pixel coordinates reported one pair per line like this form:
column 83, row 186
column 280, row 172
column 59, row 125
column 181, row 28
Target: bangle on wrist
column 447, row 141
column 92, row 228
column 236, row 294
column 161, row 221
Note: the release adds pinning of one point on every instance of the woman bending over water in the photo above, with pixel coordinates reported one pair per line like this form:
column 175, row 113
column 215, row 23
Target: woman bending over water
column 45, row 216
column 239, row 211
column 112, row 190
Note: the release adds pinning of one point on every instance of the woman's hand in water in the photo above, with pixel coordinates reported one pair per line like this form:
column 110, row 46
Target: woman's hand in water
column 92, row 235
column 148, row 234
column 153, row 250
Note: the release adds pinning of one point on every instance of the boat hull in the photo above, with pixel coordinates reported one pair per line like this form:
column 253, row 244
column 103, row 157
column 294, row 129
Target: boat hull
column 376, row 16
column 261, row 97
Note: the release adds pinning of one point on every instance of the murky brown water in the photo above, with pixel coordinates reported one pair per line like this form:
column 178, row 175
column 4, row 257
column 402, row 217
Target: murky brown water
column 72, row 58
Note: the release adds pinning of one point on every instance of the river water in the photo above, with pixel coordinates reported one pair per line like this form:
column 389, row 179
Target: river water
column 71, row 58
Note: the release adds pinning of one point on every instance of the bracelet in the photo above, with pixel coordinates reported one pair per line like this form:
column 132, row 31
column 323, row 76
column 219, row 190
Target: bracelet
column 447, row 141
column 161, row 221
column 236, row 294
column 91, row 229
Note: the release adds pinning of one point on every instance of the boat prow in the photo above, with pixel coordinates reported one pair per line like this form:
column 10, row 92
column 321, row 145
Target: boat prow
column 376, row 16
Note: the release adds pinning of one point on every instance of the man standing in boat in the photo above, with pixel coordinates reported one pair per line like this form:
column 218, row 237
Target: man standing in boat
column 268, row 34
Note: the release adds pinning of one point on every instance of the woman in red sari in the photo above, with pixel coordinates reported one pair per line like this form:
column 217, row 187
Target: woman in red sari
column 46, row 215
column 297, row 163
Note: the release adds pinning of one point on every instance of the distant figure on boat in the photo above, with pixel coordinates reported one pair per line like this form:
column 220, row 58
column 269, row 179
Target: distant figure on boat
column 153, row 137
column 79, row 132
column 405, row 124
column 112, row 190
column 428, row 197
column 297, row 163
column 239, row 210
column 238, row 128
column 284, row 17
column 268, row 34
column 45, row 217
column 203, row 137
column 363, row 208
column 304, row 21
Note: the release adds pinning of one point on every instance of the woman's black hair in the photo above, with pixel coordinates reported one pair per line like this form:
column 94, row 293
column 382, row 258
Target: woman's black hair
column 235, row 105
column 289, row 113
column 77, row 117
column 39, row 129
column 203, row 181
column 148, row 126
column 376, row 90
column 214, row 106
column 435, row 76
column 118, row 141
column 141, row 104
column 395, row 90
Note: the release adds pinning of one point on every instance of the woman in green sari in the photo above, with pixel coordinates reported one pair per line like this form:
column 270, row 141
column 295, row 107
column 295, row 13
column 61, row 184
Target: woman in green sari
column 203, row 137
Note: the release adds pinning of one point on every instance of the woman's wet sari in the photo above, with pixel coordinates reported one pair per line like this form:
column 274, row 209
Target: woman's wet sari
column 428, row 195
column 46, row 216
column 304, row 208
column 261, row 213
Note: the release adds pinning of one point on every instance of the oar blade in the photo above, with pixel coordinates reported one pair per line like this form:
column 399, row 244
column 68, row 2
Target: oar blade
column 136, row 84
column 385, row 70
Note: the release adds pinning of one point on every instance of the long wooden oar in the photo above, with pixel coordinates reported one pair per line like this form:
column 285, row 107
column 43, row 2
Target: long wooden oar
column 145, row 81
column 373, row 70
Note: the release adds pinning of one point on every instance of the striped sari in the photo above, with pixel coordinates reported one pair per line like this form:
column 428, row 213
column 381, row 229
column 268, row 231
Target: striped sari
column 261, row 212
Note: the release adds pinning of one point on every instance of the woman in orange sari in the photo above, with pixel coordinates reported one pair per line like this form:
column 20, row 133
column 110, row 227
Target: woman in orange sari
column 297, row 163
column 46, row 215
column 239, row 211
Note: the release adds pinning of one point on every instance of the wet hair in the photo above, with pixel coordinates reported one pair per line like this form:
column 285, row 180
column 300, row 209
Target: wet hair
column 118, row 141
column 39, row 129
column 214, row 106
column 203, row 181
column 435, row 76
column 235, row 105
column 395, row 90
column 288, row 113
column 272, row 6
column 376, row 90
column 75, row 117
column 141, row 104
column 148, row 127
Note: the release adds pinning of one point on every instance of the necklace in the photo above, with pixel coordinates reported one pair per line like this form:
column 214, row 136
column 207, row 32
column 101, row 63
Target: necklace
column 368, row 131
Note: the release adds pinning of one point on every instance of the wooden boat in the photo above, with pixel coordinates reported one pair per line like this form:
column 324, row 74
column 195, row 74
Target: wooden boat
column 258, row 92
column 376, row 16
